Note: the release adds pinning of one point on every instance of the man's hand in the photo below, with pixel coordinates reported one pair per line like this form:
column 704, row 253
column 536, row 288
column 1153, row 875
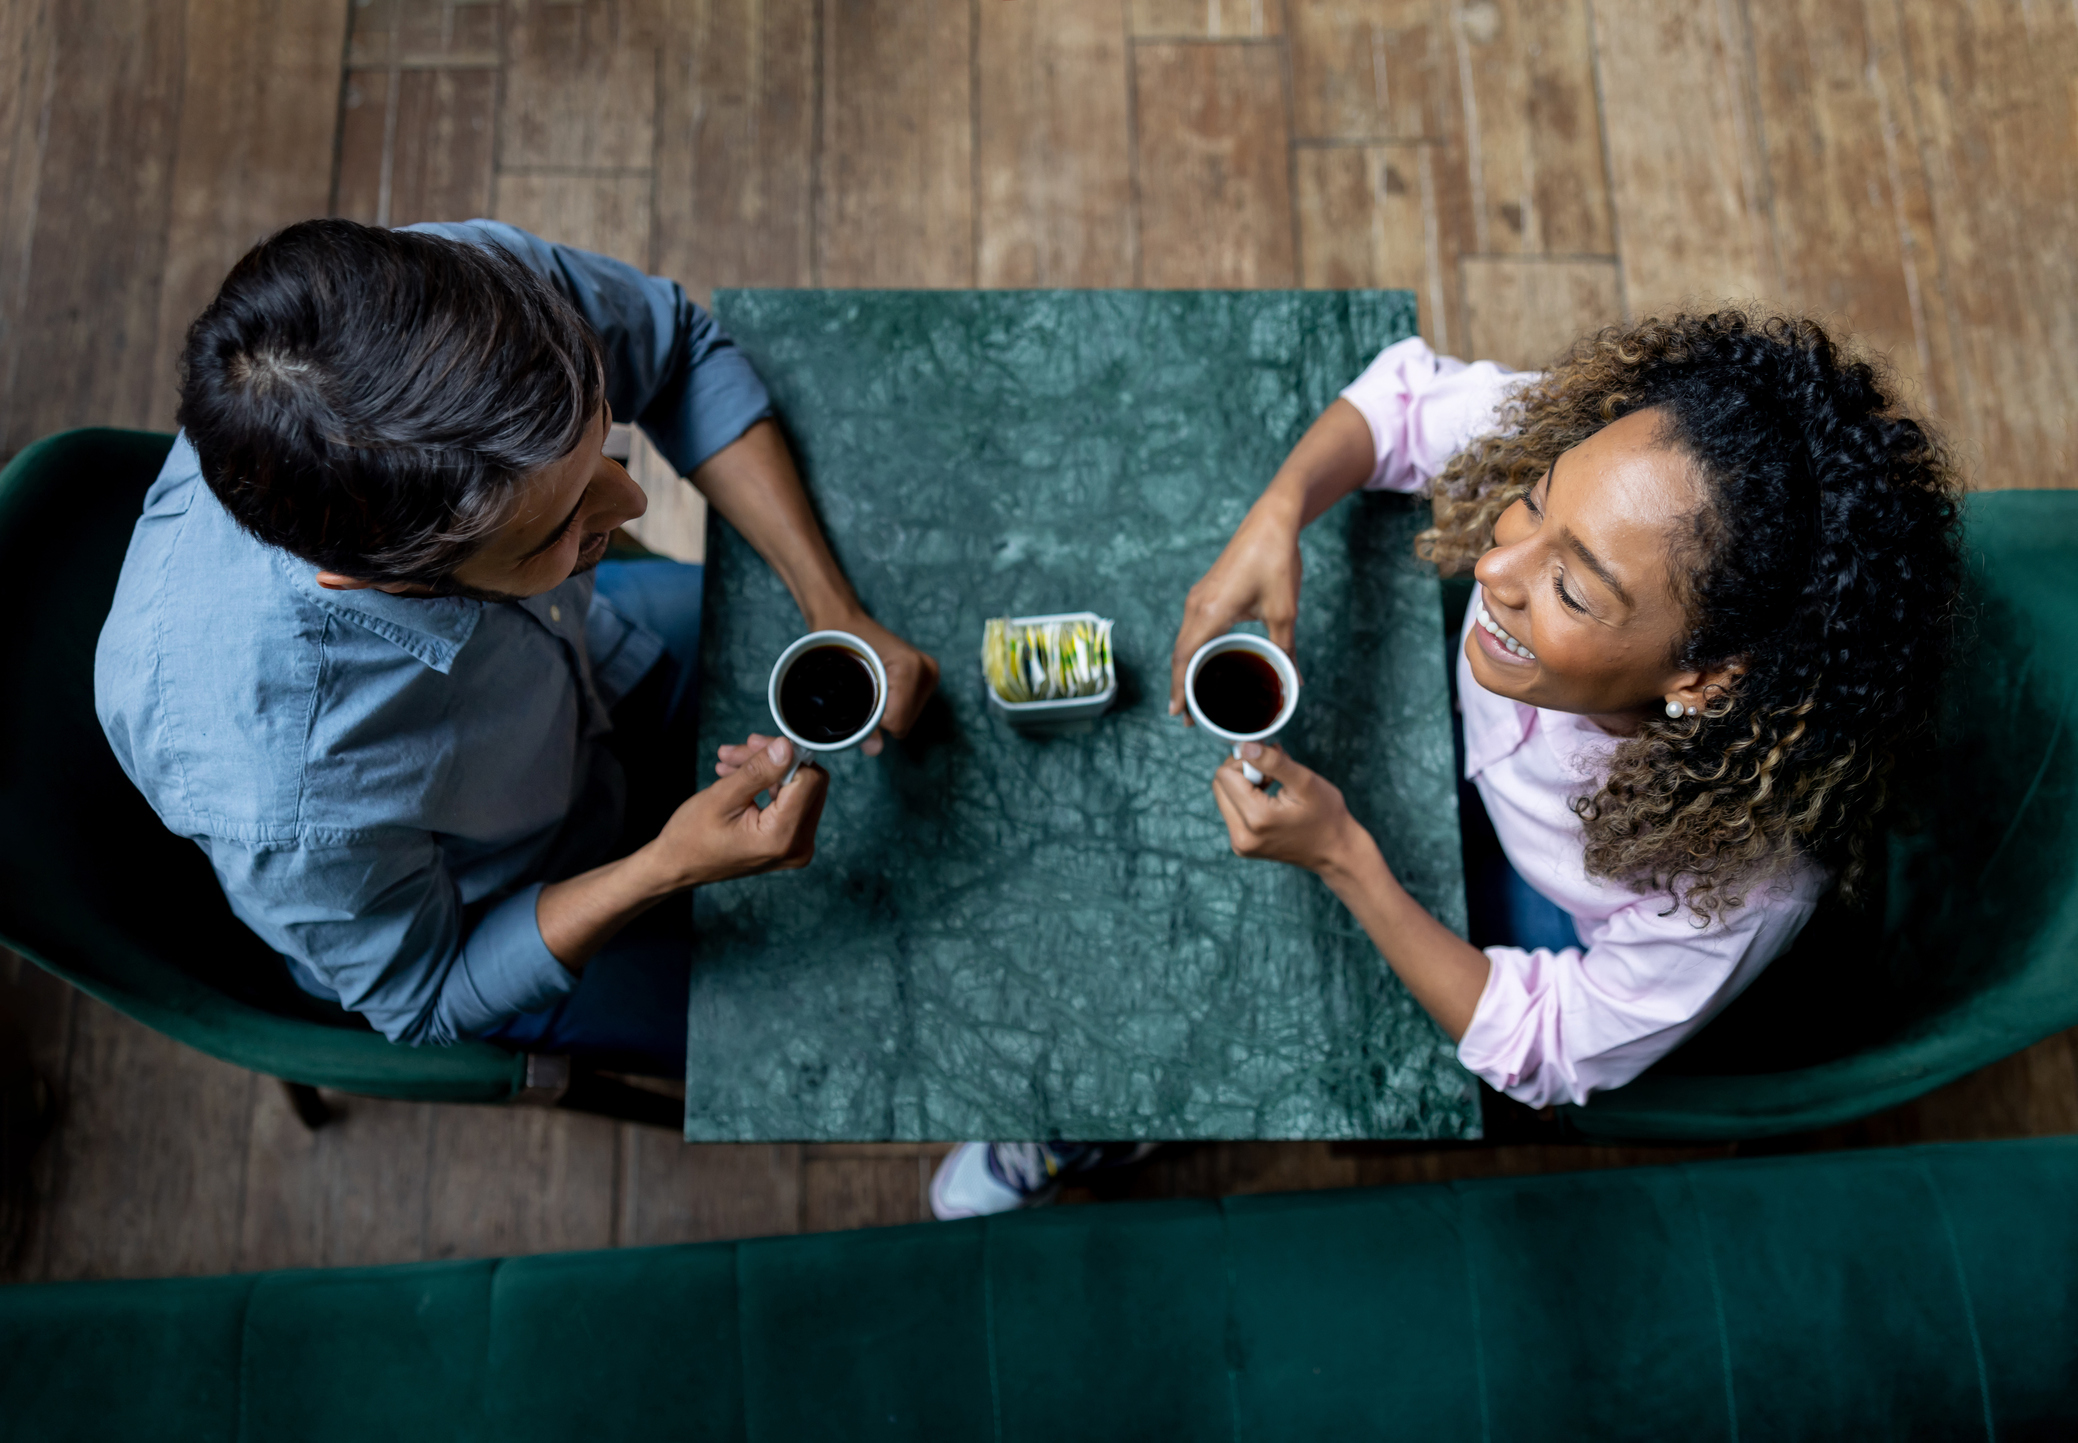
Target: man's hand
column 1306, row 823
column 912, row 675
column 715, row 835
column 721, row 832
column 752, row 482
column 1255, row 579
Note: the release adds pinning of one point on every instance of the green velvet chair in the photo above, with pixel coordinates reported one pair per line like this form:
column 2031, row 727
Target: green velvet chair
column 1966, row 950
column 92, row 887
column 1924, row 1292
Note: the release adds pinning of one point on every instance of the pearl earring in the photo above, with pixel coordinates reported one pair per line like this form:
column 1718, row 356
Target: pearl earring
column 1673, row 708
column 1691, row 711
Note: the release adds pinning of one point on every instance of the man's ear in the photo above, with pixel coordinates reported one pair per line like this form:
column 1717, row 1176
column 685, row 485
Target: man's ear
column 333, row 581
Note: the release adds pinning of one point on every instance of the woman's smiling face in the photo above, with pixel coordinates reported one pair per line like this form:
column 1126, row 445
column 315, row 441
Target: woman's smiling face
column 1579, row 579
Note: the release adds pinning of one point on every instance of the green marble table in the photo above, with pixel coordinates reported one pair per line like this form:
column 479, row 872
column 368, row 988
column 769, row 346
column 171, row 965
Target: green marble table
column 1015, row 936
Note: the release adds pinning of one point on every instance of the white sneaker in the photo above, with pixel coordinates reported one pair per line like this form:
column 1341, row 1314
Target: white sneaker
column 980, row 1178
column 965, row 1186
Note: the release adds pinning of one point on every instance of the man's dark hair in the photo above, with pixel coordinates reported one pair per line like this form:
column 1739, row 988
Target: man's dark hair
column 369, row 399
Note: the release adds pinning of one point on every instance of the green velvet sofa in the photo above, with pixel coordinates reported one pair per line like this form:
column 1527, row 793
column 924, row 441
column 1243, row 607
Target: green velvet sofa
column 1927, row 1292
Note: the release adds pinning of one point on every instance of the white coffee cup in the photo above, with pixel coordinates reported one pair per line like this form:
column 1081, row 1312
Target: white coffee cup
column 1287, row 678
column 804, row 748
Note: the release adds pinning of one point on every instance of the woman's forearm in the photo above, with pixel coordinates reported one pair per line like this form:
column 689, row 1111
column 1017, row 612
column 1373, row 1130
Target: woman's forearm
column 1333, row 458
column 1445, row 973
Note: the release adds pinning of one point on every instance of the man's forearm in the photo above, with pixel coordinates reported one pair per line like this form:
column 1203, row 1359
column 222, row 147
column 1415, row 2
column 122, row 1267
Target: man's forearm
column 752, row 482
column 1445, row 973
column 581, row 914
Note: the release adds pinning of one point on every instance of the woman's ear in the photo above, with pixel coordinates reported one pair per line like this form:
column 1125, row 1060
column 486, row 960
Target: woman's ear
column 1698, row 691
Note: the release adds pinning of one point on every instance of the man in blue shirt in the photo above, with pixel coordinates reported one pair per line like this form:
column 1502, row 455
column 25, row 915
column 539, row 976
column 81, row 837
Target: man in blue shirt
column 360, row 654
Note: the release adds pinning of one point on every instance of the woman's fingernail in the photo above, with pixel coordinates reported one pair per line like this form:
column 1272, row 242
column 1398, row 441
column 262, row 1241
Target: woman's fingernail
column 1251, row 750
column 777, row 751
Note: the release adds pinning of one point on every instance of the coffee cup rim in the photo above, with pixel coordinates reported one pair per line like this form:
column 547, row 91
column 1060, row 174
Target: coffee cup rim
column 785, row 663
column 1262, row 646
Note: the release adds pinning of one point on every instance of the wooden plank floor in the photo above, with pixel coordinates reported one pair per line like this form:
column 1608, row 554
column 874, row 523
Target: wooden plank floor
column 1530, row 168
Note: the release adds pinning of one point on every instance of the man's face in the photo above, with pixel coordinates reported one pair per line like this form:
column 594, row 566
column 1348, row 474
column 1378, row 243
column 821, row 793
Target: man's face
column 566, row 514
column 567, row 511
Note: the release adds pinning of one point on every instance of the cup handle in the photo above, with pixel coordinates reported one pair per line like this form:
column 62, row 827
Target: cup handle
column 1255, row 778
column 800, row 758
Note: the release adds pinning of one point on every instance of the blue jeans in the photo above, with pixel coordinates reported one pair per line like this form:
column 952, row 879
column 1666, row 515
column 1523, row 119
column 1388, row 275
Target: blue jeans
column 1502, row 909
column 628, row 1010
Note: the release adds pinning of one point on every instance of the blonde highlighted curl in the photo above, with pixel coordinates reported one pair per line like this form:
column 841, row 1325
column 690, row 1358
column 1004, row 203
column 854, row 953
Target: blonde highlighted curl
column 1826, row 560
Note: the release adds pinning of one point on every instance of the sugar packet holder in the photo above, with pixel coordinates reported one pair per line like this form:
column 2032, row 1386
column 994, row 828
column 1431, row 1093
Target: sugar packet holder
column 1059, row 664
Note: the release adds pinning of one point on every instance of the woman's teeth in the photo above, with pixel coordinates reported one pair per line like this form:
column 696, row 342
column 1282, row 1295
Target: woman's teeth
column 1494, row 630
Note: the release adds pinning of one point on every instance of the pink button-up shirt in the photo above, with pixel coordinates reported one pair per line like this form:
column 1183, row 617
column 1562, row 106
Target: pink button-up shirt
column 1556, row 1026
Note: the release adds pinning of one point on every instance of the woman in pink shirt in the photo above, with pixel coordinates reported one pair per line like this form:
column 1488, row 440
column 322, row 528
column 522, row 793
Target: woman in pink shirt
column 1716, row 569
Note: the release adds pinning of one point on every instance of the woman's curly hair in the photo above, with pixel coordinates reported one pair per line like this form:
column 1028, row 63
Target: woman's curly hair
column 1826, row 560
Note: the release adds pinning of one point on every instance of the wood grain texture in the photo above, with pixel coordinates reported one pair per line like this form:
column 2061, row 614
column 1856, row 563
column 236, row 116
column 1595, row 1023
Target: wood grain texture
column 675, row 1192
column 351, row 1194
column 520, row 1180
column 897, row 198
column 1213, row 163
column 425, row 34
column 1372, row 69
column 416, row 145
column 253, row 150
column 149, row 1176
column 580, row 84
column 1842, row 193
column 1523, row 313
column 736, row 137
column 1205, row 19
column 28, row 54
column 1532, row 127
column 36, row 1011
column 1685, row 166
column 85, row 331
column 858, row 1189
column 1228, row 1169
column 1994, row 107
column 1386, row 215
column 1053, row 157
column 609, row 214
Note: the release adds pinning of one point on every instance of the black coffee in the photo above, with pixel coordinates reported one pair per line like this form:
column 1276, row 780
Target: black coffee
column 827, row 693
column 1238, row 691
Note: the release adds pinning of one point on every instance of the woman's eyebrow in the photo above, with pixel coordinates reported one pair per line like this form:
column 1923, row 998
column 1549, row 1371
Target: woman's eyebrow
column 557, row 534
column 1594, row 563
column 1587, row 558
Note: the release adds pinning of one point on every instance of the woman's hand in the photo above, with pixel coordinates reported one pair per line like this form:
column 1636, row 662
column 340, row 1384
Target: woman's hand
column 1308, row 825
column 1255, row 579
column 1305, row 823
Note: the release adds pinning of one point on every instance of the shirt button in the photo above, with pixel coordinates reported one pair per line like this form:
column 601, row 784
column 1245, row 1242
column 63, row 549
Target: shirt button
column 555, row 613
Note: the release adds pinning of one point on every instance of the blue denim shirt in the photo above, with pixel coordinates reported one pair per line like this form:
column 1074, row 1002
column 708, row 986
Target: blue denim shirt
column 383, row 783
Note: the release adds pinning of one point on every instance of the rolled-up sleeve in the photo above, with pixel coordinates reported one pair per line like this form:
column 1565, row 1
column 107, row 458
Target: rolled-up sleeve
column 1559, row 1026
column 377, row 921
column 670, row 367
column 1423, row 408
